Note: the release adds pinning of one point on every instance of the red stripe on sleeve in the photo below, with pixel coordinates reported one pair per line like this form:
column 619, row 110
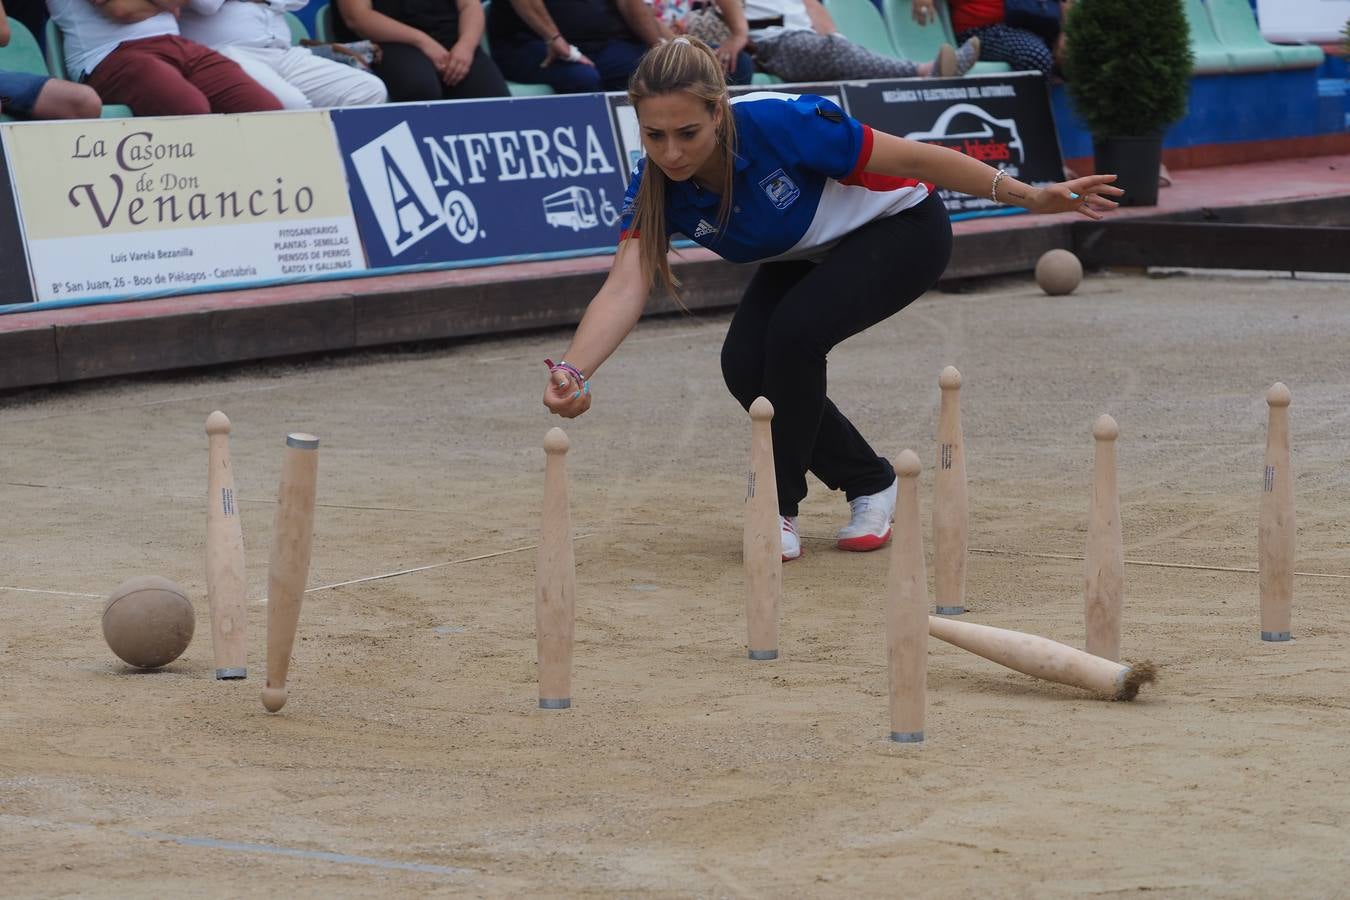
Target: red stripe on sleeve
column 860, row 177
column 628, row 233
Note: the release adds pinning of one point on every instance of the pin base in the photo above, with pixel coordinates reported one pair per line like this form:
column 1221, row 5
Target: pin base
column 763, row 654
column 951, row 610
column 231, row 674
column 907, row 737
column 1275, row 636
column 564, row 703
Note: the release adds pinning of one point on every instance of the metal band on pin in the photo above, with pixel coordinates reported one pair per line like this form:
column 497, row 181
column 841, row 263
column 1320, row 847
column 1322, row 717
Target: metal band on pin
column 564, row 703
column 951, row 610
column 907, row 737
column 763, row 654
column 1275, row 636
column 302, row 441
column 231, row 674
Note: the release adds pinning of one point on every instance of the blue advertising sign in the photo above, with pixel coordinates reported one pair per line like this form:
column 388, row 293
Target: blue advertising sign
column 486, row 180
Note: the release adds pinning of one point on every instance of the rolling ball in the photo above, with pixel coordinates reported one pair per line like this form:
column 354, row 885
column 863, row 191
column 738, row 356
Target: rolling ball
column 148, row 621
column 1058, row 272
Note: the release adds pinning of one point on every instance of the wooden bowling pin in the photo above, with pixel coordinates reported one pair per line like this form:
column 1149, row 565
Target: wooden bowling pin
column 950, row 505
column 1043, row 658
column 1105, row 553
column 1275, row 544
column 907, row 610
column 225, row 586
column 762, row 547
column 288, row 569
column 555, row 580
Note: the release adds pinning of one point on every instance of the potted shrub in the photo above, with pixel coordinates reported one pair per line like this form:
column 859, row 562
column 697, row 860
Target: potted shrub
column 1129, row 74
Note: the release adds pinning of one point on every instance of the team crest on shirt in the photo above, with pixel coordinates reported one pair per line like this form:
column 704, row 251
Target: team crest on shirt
column 780, row 189
column 704, row 228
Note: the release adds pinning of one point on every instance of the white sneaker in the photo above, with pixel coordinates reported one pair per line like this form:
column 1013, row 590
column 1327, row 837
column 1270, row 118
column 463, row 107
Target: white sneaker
column 869, row 525
column 792, row 544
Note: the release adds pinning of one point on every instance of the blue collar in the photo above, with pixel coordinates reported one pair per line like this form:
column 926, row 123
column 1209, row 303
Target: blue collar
column 689, row 194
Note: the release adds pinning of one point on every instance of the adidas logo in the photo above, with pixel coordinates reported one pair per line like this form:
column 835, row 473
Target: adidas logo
column 704, row 228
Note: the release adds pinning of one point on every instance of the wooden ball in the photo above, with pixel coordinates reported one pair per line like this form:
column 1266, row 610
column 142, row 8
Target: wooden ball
column 148, row 621
column 1058, row 272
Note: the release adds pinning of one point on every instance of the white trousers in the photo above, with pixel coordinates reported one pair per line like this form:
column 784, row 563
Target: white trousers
column 301, row 80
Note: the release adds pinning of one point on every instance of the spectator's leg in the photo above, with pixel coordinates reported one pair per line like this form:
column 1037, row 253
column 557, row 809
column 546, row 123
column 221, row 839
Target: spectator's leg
column 67, row 100
column 484, row 80
column 616, row 62
column 146, row 76
column 260, row 65
column 808, row 56
column 327, row 83
column 520, row 62
column 28, row 96
column 1017, row 47
column 408, row 74
column 744, row 71
column 226, row 86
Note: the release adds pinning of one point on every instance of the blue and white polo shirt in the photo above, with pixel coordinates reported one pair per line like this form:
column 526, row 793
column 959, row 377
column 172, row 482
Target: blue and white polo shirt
column 798, row 185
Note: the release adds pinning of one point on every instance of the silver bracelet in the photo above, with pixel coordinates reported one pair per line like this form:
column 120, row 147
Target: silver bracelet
column 993, row 190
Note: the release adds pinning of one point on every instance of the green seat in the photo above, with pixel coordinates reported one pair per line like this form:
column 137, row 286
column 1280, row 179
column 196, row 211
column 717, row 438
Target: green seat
column 323, row 23
column 516, row 88
column 921, row 42
column 765, row 78
column 56, row 66
column 298, row 30
column 1235, row 25
column 1210, row 55
column 859, row 21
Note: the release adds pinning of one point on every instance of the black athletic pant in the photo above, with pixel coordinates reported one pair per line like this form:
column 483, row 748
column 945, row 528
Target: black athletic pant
column 410, row 76
column 792, row 315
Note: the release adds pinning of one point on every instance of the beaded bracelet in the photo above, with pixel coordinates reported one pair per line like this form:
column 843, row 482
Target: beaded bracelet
column 993, row 190
column 567, row 367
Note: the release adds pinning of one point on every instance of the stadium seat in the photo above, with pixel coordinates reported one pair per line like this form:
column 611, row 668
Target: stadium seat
column 859, row 21
column 516, row 89
column 920, row 42
column 323, row 23
column 1235, row 24
column 765, row 78
column 298, row 30
column 56, row 66
column 22, row 55
column 1210, row 55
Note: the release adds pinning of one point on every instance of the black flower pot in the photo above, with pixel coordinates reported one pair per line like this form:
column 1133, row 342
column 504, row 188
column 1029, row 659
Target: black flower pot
column 1136, row 161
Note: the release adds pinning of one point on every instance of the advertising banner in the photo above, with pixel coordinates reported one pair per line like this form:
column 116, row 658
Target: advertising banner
column 124, row 207
column 482, row 181
column 15, row 285
column 1002, row 120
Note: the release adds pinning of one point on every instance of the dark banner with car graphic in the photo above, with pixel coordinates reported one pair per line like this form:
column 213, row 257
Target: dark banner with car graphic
column 1002, row 120
column 483, row 180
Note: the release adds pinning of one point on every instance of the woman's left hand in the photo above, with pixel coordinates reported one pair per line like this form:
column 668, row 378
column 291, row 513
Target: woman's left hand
column 728, row 50
column 1090, row 196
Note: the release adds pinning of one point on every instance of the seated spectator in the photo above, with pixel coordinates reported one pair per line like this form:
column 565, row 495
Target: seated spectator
column 798, row 41
column 257, row 36
column 25, row 95
column 675, row 17
column 574, row 46
column 130, row 52
column 1024, row 50
column 430, row 49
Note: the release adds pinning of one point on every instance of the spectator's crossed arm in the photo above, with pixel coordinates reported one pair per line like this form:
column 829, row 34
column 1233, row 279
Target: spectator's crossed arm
column 535, row 15
column 131, row 11
column 637, row 15
column 4, row 27
column 820, row 19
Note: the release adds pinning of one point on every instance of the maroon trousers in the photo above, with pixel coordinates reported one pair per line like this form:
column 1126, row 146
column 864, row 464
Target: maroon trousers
column 170, row 76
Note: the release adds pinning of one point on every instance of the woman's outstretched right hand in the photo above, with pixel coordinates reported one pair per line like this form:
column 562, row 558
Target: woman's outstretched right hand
column 564, row 397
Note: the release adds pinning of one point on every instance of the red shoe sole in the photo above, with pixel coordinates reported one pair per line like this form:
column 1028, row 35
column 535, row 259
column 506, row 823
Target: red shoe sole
column 865, row 543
